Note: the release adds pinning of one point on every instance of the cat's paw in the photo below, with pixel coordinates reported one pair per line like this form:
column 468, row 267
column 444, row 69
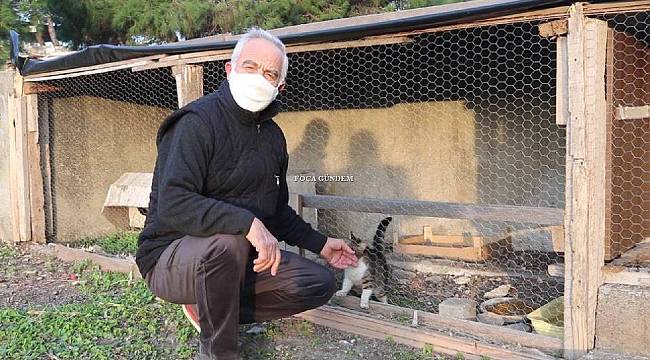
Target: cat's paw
column 364, row 305
column 341, row 293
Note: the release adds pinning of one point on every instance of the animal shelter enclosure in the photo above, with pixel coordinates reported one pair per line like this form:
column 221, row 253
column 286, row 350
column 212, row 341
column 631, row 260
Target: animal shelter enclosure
column 511, row 153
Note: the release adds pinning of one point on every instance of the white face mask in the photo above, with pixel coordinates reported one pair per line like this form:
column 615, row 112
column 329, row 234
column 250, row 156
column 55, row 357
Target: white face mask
column 251, row 91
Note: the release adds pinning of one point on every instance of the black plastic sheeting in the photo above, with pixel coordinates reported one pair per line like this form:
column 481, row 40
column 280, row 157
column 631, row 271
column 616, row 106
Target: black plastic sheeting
column 101, row 54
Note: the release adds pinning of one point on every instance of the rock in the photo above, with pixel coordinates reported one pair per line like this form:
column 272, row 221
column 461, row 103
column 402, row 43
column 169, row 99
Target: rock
column 256, row 330
column 29, row 272
column 344, row 342
column 458, row 308
column 462, row 280
column 501, row 291
column 434, row 279
column 520, row 326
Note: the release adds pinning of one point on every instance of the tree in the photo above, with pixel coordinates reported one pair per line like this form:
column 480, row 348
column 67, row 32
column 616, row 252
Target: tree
column 163, row 20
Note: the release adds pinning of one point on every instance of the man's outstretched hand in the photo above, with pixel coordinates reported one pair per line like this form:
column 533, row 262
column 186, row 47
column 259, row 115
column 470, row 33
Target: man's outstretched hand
column 338, row 254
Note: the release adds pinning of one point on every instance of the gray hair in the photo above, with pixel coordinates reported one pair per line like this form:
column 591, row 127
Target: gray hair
column 257, row 33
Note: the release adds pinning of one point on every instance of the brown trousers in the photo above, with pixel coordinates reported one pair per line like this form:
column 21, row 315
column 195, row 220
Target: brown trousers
column 216, row 273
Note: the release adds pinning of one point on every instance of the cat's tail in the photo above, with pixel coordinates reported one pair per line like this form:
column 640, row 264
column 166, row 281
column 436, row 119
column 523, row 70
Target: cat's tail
column 378, row 240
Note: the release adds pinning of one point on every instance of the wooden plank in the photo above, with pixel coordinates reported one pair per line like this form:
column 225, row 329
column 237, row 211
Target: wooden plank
column 37, row 200
column 441, row 240
column 219, row 55
column 609, row 98
column 38, row 88
column 105, row 263
column 95, row 69
column 632, row 112
column 616, row 7
column 585, row 198
column 441, row 323
column 19, row 163
column 520, row 214
column 625, row 276
column 467, row 253
column 562, row 83
column 358, row 323
column 553, row 28
column 189, row 83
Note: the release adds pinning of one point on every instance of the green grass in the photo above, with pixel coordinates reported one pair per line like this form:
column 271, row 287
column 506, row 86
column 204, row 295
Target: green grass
column 120, row 320
column 7, row 251
column 123, row 242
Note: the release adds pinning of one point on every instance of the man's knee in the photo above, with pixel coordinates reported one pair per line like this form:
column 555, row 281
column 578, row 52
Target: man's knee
column 321, row 288
column 229, row 248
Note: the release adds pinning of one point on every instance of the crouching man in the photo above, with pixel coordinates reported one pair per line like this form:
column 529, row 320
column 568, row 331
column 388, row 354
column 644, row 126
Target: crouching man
column 219, row 204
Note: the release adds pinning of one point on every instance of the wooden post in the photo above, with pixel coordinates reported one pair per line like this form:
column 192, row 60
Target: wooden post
column 189, row 83
column 585, row 179
column 18, row 162
column 36, row 194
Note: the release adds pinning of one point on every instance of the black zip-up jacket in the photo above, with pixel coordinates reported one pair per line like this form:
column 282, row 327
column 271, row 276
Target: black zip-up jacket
column 218, row 167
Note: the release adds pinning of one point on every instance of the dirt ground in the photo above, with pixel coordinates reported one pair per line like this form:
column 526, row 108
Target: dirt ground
column 34, row 285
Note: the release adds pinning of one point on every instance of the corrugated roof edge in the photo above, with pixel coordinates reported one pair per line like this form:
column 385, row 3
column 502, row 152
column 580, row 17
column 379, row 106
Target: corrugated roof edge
column 333, row 30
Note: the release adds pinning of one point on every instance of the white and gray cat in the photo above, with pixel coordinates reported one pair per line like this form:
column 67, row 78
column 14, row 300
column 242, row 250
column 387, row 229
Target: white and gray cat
column 372, row 271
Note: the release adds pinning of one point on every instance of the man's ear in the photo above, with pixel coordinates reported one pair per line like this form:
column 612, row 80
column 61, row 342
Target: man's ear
column 228, row 68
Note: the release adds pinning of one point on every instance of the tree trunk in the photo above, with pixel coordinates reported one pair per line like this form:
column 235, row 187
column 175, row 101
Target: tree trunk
column 52, row 31
column 39, row 37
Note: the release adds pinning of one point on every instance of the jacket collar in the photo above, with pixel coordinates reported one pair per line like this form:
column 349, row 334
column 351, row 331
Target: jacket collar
column 245, row 116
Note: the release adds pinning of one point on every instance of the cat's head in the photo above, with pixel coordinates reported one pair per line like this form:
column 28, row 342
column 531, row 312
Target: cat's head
column 358, row 245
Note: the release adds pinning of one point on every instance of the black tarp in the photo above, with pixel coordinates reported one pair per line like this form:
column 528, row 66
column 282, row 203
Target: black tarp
column 101, row 54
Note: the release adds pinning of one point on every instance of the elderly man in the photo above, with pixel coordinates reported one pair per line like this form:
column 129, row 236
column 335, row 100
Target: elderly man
column 219, row 204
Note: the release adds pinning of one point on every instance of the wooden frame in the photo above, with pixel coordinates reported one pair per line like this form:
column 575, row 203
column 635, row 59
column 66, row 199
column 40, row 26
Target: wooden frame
column 585, row 179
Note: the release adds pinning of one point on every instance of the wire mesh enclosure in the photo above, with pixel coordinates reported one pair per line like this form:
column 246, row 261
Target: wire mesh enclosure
column 628, row 72
column 438, row 156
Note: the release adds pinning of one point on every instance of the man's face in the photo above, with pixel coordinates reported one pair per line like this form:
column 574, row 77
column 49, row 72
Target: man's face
column 259, row 56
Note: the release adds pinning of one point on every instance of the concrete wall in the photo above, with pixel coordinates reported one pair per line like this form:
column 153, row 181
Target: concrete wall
column 421, row 151
column 94, row 141
column 623, row 319
column 6, row 84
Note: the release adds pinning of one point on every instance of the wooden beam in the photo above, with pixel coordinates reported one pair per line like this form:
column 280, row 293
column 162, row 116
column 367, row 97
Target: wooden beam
column 105, row 263
column 520, row 214
column 441, row 323
column 38, row 88
column 36, row 193
column 89, row 70
column 553, row 28
column 562, row 83
column 19, row 162
column 585, row 180
column 219, row 55
column 632, row 112
column 359, row 323
column 626, row 276
column 617, row 7
column 189, row 83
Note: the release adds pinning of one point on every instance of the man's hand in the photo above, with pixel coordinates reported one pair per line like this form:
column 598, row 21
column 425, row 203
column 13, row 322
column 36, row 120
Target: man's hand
column 338, row 254
column 267, row 248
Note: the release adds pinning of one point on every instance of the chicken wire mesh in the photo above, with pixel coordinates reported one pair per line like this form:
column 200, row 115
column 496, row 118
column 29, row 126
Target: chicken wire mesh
column 628, row 74
column 452, row 134
column 463, row 116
